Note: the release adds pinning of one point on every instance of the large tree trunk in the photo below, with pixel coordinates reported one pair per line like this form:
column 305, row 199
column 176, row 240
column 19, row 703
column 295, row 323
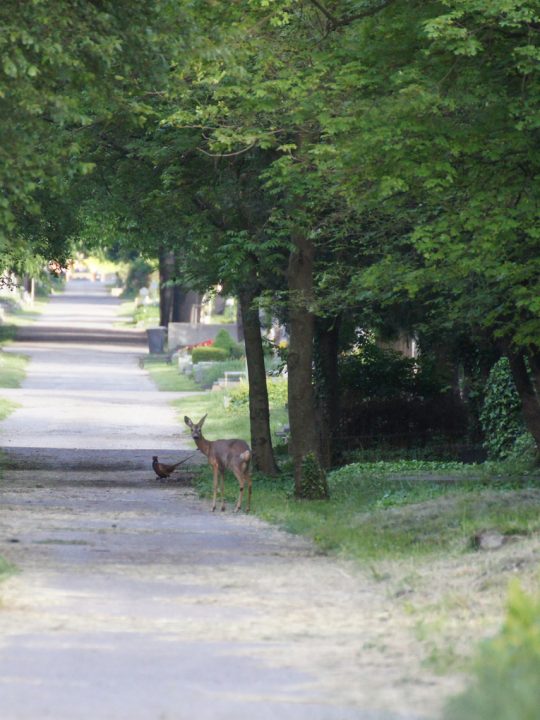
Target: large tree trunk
column 259, row 411
column 166, row 293
column 310, row 481
column 327, row 388
column 530, row 403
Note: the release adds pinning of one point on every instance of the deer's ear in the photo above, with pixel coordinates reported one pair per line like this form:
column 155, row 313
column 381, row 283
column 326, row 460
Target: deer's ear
column 201, row 421
column 188, row 421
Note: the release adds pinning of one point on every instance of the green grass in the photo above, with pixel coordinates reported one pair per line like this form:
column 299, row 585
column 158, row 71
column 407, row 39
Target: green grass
column 17, row 316
column 140, row 315
column 7, row 333
column 222, row 422
column 382, row 509
column 403, row 509
column 12, row 369
column 388, row 510
column 13, row 365
column 6, row 568
column 505, row 674
column 167, row 377
column 7, row 407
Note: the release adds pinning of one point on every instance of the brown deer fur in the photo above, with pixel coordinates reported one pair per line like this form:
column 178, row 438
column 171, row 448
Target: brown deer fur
column 233, row 455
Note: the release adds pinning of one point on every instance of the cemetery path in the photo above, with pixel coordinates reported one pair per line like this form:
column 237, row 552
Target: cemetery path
column 132, row 601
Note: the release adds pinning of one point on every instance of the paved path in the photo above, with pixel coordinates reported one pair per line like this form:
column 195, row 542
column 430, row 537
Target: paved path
column 133, row 601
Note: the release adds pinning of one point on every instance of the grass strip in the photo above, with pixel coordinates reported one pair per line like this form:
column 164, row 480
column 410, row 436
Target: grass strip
column 7, row 407
column 167, row 378
column 6, row 568
column 380, row 512
column 12, row 369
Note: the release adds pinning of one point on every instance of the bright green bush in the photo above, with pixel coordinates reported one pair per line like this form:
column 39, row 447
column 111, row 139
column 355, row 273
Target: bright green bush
column 209, row 353
column 507, row 671
column 224, row 340
column 501, row 417
column 277, row 394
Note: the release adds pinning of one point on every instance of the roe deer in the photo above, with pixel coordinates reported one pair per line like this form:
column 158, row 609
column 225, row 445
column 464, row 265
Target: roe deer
column 233, row 455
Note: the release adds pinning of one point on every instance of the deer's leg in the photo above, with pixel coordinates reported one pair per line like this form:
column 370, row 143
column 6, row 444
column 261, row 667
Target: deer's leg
column 222, row 490
column 215, row 487
column 250, row 483
column 240, row 477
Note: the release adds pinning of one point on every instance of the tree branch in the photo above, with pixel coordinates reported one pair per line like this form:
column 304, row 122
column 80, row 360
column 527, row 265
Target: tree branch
column 333, row 20
column 336, row 22
column 226, row 155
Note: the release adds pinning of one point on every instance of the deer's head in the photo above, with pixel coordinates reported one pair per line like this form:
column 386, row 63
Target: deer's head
column 196, row 428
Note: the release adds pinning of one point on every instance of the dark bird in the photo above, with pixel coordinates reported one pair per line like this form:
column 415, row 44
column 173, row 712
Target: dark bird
column 162, row 470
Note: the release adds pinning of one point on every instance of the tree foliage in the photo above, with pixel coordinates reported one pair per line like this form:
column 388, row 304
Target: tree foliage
column 364, row 163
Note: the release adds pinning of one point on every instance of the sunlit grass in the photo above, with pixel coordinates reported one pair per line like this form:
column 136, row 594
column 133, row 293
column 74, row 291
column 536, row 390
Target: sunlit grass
column 130, row 314
column 6, row 408
column 403, row 510
column 167, row 377
column 12, row 369
column 383, row 509
column 222, row 422
column 395, row 509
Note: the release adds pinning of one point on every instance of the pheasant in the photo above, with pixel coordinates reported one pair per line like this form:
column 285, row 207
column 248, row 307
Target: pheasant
column 162, row 470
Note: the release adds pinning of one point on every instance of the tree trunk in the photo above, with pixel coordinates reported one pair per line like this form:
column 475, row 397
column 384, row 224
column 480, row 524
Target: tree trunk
column 178, row 298
column 309, row 482
column 533, row 357
column 166, row 293
column 186, row 305
column 240, row 324
column 259, row 411
column 327, row 388
column 530, row 403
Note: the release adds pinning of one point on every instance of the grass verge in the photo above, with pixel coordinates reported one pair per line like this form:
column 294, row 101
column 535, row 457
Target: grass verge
column 12, row 370
column 222, row 422
column 13, row 365
column 132, row 315
column 6, row 407
column 506, row 669
column 167, row 377
column 378, row 513
column 382, row 510
column 6, row 568
column 411, row 524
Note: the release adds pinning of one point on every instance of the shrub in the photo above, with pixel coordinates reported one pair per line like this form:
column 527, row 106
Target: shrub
column 208, row 353
column 313, row 481
column 375, row 372
column 224, row 340
column 506, row 683
column 401, row 420
column 138, row 276
column 277, row 394
column 501, row 417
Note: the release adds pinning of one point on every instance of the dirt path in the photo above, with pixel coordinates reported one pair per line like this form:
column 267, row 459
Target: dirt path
column 133, row 601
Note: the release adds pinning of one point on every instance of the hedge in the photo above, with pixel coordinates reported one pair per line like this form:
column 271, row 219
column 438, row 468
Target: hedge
column 208, row 354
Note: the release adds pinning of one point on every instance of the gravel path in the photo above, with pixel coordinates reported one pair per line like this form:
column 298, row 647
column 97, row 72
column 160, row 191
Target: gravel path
column 133, row 601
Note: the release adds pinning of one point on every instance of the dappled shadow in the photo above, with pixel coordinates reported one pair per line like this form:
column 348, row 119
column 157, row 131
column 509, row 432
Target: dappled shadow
column 101, row 336
column 68, row 460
